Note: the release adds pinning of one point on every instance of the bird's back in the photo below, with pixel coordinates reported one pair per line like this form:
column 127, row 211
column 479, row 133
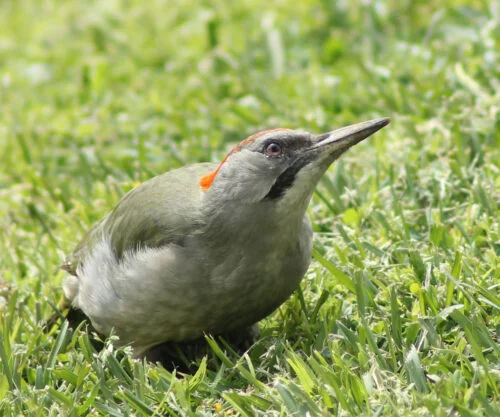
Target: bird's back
column 139, row 220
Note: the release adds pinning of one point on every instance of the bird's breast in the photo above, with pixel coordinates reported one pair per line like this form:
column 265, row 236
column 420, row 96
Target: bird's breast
column 249, row 275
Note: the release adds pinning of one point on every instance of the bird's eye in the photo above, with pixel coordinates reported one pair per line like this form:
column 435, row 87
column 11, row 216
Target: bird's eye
column 273, row 149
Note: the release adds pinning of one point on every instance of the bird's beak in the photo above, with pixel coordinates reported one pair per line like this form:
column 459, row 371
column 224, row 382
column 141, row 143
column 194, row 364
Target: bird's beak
column 333, row 144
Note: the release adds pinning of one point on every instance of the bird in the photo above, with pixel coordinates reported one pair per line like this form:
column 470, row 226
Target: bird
column 208, row 248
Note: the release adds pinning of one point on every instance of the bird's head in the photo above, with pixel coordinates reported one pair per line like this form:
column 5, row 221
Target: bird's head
column 282, row 164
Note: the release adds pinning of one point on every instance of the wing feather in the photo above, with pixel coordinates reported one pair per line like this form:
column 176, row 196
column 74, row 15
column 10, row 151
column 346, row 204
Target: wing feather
column 161, row 211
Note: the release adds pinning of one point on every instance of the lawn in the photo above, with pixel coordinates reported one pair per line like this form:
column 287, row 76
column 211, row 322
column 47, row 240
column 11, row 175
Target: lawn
column 399, row 313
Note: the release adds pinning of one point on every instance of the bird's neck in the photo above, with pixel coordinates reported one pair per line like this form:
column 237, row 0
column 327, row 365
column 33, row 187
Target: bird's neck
column 265, row 217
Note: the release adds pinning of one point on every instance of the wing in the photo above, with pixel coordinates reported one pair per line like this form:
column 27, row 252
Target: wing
column 160, row 211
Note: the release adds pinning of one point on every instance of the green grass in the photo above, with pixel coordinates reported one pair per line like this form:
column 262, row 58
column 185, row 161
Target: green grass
column 399, row 313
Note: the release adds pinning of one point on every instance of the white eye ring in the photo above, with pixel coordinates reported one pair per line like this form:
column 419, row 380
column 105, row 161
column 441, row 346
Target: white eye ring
column 273, row 149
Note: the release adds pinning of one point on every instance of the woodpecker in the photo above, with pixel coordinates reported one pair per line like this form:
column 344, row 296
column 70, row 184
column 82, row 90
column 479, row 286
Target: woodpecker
column 206, row 248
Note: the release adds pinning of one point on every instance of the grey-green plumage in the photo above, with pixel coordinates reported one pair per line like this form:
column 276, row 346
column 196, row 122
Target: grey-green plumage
column 178, row 257
column 139, row 219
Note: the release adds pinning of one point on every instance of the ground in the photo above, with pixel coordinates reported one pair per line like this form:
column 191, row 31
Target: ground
column 399, row 312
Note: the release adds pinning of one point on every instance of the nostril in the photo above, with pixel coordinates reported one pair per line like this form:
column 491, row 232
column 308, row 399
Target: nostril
column 322, row 137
